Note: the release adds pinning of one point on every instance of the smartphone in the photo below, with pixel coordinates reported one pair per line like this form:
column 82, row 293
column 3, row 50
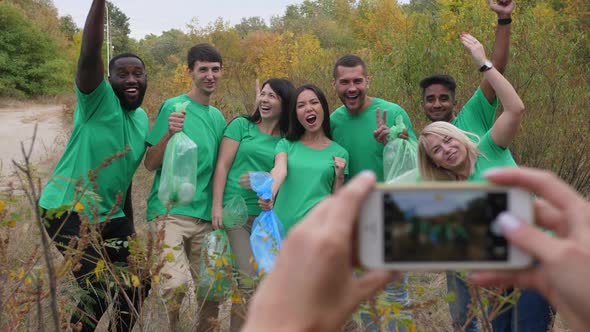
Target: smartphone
column 441, row 226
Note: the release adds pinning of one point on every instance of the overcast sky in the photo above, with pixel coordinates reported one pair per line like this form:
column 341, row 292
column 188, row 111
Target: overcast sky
column 154, row 16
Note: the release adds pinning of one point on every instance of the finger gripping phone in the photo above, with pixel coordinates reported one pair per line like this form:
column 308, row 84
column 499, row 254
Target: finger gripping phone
column 441, row 226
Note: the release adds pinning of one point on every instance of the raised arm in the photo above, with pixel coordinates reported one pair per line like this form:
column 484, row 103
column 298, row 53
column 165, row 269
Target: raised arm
column 505, row 128
column 225, row 159
column 500, row 54
column 90, row 68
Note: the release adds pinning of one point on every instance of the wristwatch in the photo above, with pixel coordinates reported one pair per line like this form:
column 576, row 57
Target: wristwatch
column 487, row 65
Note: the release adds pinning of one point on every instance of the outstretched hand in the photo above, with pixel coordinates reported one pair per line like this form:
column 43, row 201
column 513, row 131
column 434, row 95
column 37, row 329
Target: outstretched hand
column 322, row 245
column 502, row 8
column 380, row 134
column 563, row 260
column 475, row 47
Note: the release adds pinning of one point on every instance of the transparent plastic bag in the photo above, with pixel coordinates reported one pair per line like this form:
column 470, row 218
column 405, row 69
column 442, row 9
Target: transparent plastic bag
column 216, row 267
column 178, row 180
column 400, row 156
column 267, row 231
column 235, row 212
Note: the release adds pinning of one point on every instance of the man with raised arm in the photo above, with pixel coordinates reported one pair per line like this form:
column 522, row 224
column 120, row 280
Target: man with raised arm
column 92, row 180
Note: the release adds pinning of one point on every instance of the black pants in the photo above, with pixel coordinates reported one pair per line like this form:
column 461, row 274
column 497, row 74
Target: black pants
column 94, row 303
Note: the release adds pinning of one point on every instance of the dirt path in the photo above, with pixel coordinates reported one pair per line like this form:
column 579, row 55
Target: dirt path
column 17, row 125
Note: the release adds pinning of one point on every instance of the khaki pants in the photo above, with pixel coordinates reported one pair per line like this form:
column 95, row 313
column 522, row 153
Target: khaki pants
column 186, row 233
column 239, row 240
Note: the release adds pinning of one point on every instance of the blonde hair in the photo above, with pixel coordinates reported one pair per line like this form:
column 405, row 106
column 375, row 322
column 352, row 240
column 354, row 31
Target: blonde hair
column 429, row 170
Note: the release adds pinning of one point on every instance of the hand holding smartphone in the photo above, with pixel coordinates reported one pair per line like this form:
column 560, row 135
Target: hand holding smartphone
column 440, row 226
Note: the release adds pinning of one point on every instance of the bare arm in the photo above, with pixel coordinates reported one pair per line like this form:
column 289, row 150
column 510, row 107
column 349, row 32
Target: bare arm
column 505, row 128
column 155, row 154
column 90, row 68
column 500, row 54
column 225, row 159
column 279, row 173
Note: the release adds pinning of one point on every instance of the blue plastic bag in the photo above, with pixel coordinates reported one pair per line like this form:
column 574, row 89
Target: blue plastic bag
column 267, row 231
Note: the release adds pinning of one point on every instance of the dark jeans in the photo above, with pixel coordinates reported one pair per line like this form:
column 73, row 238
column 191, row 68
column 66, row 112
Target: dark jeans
column 531, row 313
column 94, row 303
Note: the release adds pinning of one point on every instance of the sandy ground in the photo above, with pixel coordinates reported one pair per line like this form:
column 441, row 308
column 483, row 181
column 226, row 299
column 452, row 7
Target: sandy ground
column 17, row 125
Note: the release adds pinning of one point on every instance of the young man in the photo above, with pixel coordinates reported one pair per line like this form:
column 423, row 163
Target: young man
column 477, row 116
column 186, row 226
column 108, row 122
column 361, row 127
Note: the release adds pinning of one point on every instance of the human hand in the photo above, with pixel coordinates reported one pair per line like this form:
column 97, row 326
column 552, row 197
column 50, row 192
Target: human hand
column 563, row 267
column 217, row 217
column 322, row 245
column 244, row 181
column 404, row 134
column 475, row 47
column 339, row 166
column 265, row 204
column 502, row 8
column 380, row 134
column 176, row 121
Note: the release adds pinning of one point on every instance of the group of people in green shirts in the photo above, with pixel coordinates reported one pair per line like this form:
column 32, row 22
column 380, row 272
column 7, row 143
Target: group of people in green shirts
column 309, row 152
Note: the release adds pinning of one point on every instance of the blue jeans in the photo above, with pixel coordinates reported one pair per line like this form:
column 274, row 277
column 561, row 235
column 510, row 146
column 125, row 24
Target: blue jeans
column 531, row 313
column 393, row 292
column 460, row 306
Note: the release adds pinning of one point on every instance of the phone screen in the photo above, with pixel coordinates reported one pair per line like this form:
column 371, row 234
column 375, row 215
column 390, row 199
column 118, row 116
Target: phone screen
column 443, row 225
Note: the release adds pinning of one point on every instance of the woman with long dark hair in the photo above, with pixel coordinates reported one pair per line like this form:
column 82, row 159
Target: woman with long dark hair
column 308, row 164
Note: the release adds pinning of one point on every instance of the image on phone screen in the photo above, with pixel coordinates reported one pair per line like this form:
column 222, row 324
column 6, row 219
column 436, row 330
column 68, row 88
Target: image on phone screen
column 442, row 225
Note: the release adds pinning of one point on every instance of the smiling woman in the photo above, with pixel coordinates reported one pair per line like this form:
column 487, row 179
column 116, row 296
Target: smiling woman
column 308, row 164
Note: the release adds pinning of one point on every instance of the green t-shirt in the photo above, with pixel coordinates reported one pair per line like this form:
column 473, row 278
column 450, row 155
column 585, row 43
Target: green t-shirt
column 101, row 129
column 478, row 117
column 310, row 176
column 255, row 153
column 492, row 156
column 355, row 134
column 204, row 125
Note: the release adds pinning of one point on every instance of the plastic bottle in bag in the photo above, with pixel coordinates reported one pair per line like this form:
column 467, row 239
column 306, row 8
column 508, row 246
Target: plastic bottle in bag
column 267, row 230
column 178, row 180
column 216, row 266
column 400, row 156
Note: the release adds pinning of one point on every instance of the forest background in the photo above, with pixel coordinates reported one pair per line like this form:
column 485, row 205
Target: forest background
column 402, row 43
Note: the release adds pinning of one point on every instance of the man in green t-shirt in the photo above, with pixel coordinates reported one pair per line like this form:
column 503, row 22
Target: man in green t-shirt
column 92, row 180
column 361, row 126
column 186, row 226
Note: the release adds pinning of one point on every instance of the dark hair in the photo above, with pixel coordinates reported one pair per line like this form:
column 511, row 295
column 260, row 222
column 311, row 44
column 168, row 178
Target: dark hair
column 442, row 79
column 284, row 89
column 349, row 60
column 121, row 56
column 296, row 130
column 202, row 52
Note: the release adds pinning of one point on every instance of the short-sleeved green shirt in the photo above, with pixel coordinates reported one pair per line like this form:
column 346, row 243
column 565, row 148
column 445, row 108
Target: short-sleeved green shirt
column 310, row 176
column 204, row 125
column 492, row 156
column 478, row 116
column 101, row 129
column 355, row 134
column 255, row 153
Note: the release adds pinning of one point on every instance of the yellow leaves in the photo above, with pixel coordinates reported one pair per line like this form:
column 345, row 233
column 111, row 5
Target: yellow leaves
column 21, row 274
column 28, row 281
column 100, row 265
column 236, row 298
column 156, row 279
column 135, row 280
column 79, row 207
column 169, row 257
column 2, row 206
